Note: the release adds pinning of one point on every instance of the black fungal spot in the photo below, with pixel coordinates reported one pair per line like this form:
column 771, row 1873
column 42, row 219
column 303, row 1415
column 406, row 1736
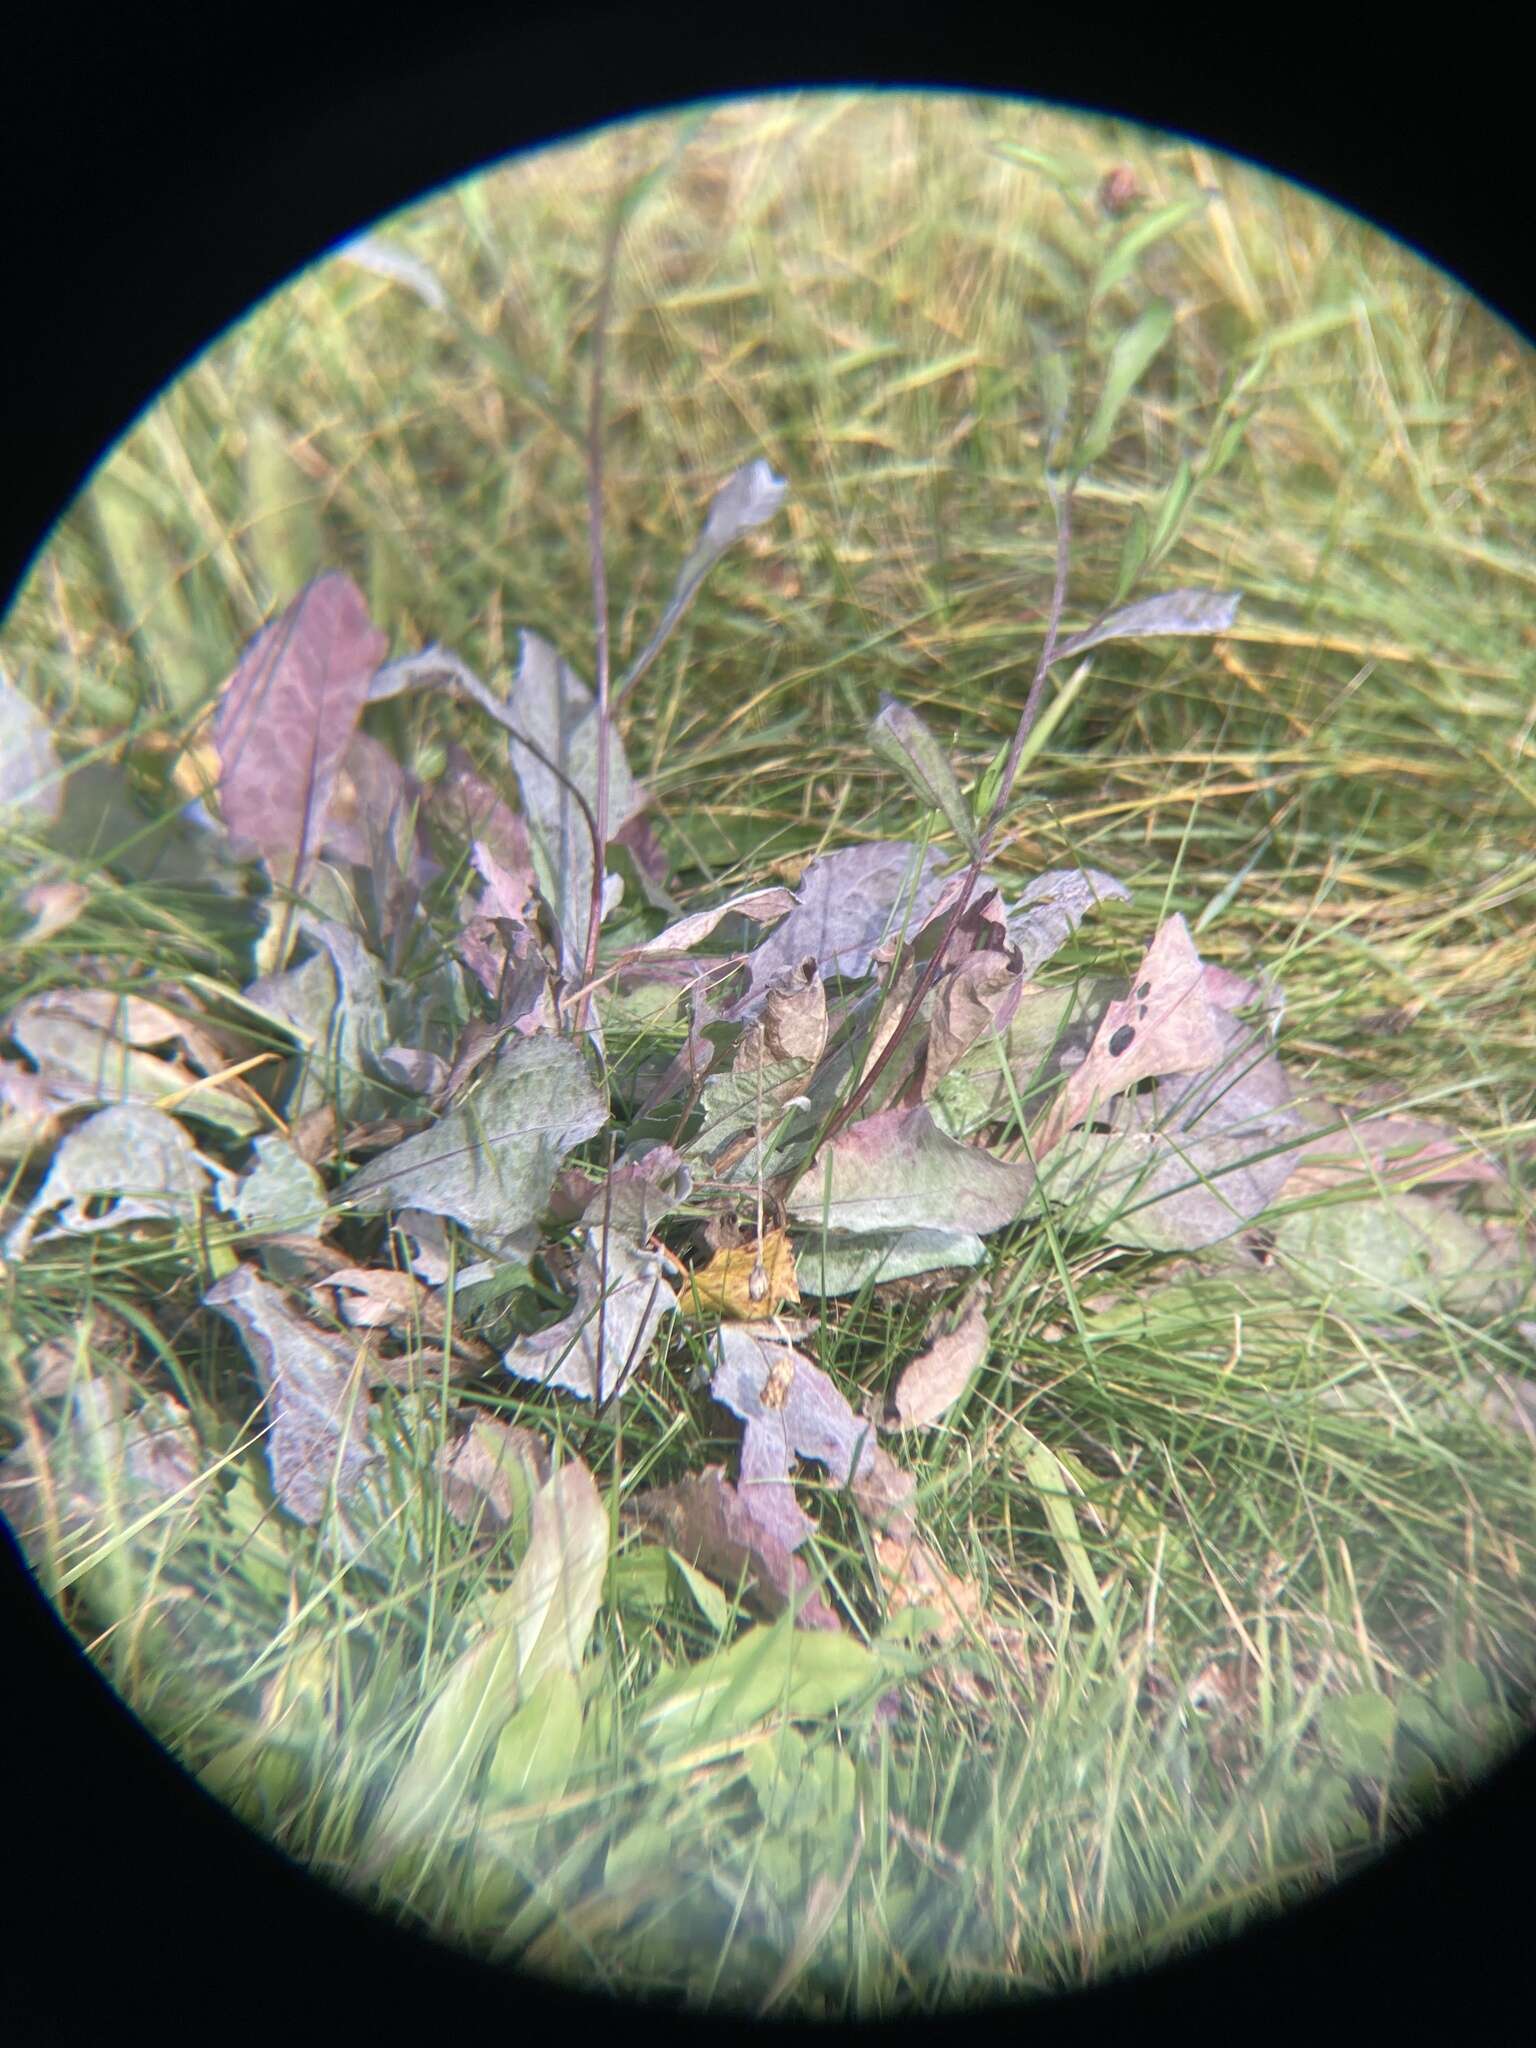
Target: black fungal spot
column 1142, row 1011
column 1145, row 990
column 1122, row 1038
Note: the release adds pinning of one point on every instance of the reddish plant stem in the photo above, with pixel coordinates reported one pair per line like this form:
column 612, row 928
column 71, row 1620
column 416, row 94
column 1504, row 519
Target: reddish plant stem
column 599, row 598
column 841, row 1117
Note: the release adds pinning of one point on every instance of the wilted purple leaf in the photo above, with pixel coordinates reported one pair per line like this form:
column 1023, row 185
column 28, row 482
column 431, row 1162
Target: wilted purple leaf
column 1052, row 907
column 847, row 903
column 31, row 780
column 595, row 1351
column 90, row 1041
column 1176, row 611
column 141, row 1158
column 490, row 1161
column 286, row 718
column 732, row 1534
column 468, row 808
column 898, row 1171
column 316, row 1398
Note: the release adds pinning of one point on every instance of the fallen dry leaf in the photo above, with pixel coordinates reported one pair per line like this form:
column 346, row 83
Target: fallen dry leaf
column 940, row 1374
column 491, row 1474
column 54, row 906
column 724, row 1287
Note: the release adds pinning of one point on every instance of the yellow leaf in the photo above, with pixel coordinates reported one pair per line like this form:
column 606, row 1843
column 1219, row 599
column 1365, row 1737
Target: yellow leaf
column 724, row 1286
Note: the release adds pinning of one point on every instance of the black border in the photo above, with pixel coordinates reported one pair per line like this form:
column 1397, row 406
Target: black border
column 165, row 168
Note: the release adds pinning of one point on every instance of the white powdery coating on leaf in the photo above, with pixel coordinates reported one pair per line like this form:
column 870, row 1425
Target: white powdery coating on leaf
column 490, row 1161
column 847, row 903
column 1053, row 906
column 138, row 1155
column 749, row 497
column 898, row 1171
column 597, row 1349
column 314, row 1392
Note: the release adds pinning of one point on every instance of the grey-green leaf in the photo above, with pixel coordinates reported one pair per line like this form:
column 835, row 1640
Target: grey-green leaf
column 138, row 1156
column 899, row 736
column 490, row 1161
column 316, row 1398
column 1174, row 612
column 1129, row 360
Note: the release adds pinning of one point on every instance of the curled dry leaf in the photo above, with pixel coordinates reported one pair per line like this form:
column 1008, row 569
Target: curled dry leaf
column 53, row 906
column 935, row 1380
column 1052, row 907
column 761, row 905
column 90, row 1042
column 596, row 1350
column 140, row 1161
column 316, row 1401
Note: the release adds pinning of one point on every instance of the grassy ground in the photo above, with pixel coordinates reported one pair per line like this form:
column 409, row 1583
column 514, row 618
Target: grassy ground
column 1315, row 1559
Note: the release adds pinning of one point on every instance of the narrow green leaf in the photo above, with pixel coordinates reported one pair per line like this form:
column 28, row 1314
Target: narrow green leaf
column 1170, row 514
column 1133, row 554
column 1129, row 361
column 1048, row 1476
column 1121, row 260
column 540, row 1624
column 899, row 736
column 536, row 1749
